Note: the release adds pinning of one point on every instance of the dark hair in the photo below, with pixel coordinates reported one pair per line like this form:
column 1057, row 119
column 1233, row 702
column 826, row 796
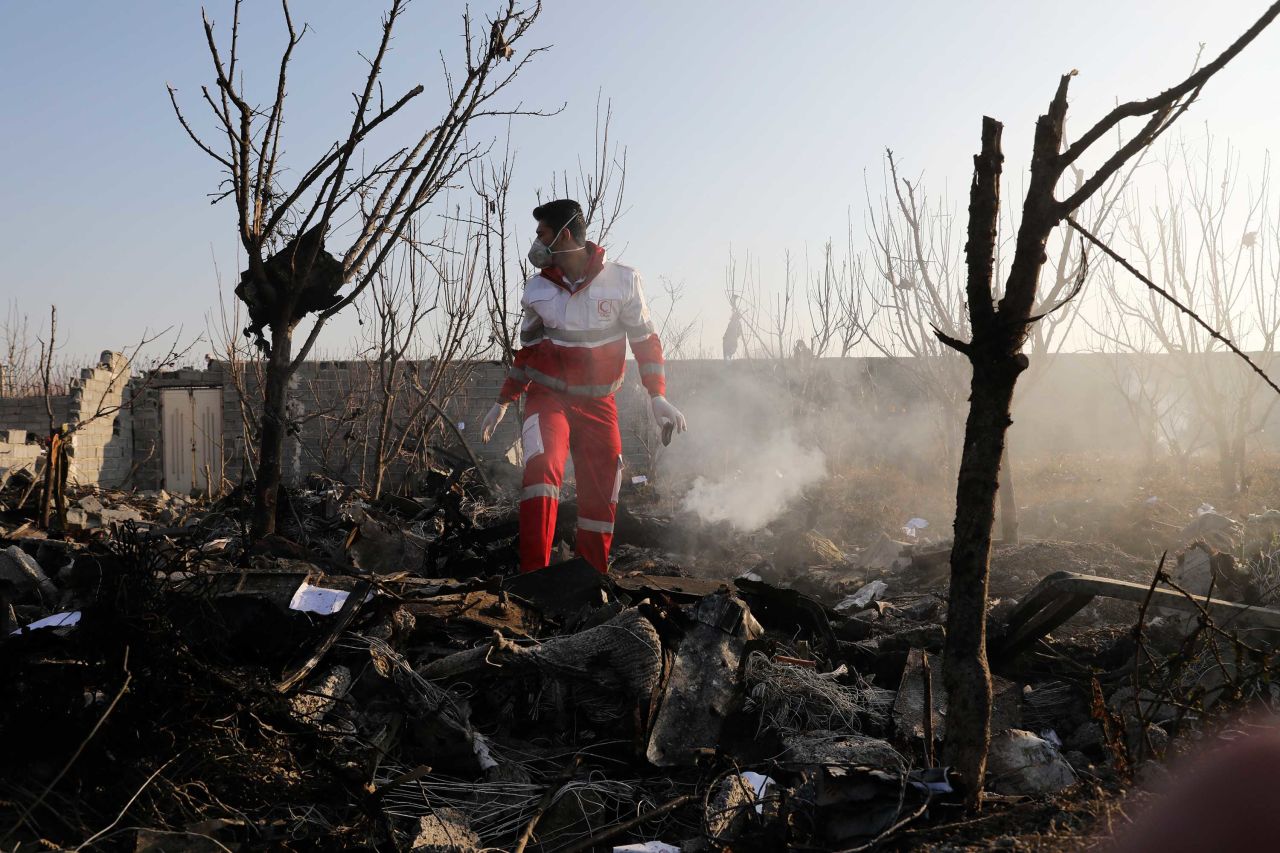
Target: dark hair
column 561, row 212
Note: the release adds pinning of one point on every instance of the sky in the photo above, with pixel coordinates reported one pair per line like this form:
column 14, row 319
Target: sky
column 749, row 126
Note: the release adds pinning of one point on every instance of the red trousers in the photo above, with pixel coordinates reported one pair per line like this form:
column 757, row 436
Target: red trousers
column 556, row 425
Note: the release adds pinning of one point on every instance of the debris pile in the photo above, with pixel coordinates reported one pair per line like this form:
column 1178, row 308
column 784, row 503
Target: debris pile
column 377, row 676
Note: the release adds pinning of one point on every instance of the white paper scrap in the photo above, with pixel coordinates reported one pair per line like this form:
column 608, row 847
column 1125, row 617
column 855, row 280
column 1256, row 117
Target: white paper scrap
column 648, row 847
column 318, row 599
column 57, row 620
column 639, row 479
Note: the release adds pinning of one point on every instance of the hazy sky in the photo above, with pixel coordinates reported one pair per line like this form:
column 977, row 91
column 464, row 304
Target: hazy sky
column 748, row 124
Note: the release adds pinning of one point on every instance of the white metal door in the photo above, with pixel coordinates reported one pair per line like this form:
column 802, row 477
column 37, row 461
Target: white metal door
column 192, row 438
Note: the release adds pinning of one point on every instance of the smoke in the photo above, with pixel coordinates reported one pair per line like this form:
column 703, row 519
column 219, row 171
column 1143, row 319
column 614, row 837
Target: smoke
column 750, row 450
column 751, row 497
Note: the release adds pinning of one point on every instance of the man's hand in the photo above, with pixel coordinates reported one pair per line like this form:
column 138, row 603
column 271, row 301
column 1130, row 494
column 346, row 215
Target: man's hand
column 492, row 420
column 664, row 412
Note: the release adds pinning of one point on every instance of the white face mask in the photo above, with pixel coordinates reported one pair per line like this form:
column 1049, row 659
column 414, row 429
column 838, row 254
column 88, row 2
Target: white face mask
column 542, row 255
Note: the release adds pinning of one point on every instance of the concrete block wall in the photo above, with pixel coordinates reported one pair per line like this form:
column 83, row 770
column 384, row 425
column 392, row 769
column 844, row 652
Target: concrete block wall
column 857, row 409
column 102, row 444
column 101, row 447
column 17, row 449
column 30, row 414
column 335, row 411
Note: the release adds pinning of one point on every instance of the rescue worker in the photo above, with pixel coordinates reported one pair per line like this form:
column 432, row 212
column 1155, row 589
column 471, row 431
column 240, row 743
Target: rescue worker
column 579, row 312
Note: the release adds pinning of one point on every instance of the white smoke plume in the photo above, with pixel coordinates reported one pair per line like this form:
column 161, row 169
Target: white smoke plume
column 779, row 469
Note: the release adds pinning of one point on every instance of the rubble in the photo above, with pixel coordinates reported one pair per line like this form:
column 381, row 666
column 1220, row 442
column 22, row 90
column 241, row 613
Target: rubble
column 377, row 676
column 1022, row 763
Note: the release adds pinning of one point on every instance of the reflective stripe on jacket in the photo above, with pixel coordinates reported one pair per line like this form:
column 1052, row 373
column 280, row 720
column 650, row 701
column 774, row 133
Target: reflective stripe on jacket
column 574, row 340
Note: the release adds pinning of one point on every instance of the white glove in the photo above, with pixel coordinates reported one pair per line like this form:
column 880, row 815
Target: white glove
column 492, row 420
column 664, row 412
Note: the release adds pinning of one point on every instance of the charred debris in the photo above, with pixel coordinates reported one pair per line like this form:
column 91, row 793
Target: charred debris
column 377, row 676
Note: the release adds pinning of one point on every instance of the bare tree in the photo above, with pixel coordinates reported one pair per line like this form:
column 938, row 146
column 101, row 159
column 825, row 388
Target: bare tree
column 601, row 188
column 998, row 331
column 243, row 367
column 503, row 274
column 836, row 297
column 23, row 368
column 1156, row 399
column 677, row 335
column 283, row 229
column 916, row 284
column 435, row 290
column 1215, row 251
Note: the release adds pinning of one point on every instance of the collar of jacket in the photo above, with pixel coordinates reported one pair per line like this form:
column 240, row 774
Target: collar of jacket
column 595, row 263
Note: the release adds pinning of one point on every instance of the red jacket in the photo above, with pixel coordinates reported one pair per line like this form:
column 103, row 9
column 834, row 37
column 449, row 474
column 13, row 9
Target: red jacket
column 574, row 340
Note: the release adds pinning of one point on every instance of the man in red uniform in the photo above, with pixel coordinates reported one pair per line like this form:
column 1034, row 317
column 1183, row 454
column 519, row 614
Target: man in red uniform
column 579, row 313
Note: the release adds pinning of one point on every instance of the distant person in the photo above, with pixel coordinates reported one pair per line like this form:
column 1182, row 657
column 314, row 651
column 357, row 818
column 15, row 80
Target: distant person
column 579, row 311
column 733, row 333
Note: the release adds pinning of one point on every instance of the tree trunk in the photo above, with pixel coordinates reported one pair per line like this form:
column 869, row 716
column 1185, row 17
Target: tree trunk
column 50, row 479
column 966, row 674
column 1227, row 468
column 1008, row 504
column 995, row 354
column 273, row 430
column 384, row 429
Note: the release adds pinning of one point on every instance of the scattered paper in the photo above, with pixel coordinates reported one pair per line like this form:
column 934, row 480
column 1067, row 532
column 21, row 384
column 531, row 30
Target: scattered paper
column 57, row 620
column 318, row 599
column 462, row 425
column 648, row 847
column 1205, row 508
column 639, row 479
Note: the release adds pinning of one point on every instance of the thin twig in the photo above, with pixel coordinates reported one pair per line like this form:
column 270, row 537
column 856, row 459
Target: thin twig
column 1214, row 333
